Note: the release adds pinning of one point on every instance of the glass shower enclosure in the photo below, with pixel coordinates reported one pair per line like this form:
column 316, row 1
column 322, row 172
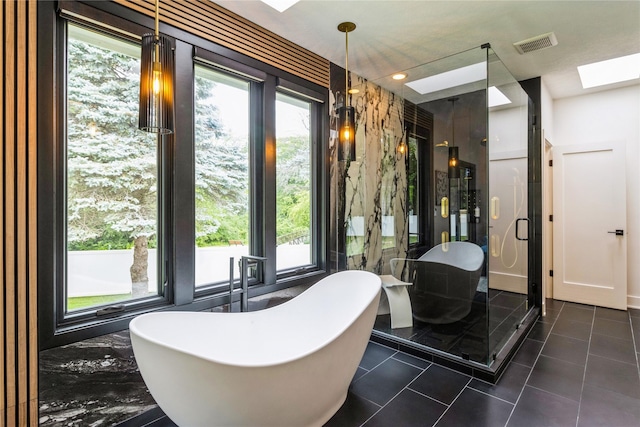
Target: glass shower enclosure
column 457, row 281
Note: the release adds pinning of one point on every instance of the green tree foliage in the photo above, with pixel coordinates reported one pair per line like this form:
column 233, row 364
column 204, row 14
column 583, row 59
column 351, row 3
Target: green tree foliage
column 221, row 180
column 111, row 165
column 293, row 187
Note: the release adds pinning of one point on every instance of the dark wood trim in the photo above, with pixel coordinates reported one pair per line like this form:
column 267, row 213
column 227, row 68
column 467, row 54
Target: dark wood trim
column 214, row 23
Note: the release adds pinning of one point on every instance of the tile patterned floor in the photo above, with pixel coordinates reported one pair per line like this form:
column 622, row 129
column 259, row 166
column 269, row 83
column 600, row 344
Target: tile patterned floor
column 578, row 367
column 472, row 334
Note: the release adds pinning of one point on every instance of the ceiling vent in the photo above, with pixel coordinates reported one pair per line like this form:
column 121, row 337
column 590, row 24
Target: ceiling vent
column 536, row 43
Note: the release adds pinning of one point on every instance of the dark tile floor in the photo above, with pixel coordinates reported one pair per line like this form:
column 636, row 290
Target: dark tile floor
column 578, row 367
column 471, row 335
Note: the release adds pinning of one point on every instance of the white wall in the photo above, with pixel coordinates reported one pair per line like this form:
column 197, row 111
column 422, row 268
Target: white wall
column 91, row 273
column 608, row 116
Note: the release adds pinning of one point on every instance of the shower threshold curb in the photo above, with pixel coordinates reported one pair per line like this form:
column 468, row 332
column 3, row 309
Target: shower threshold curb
column 491, row 373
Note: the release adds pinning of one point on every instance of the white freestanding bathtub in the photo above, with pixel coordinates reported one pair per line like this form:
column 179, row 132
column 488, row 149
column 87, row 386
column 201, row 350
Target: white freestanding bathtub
column 286, row 366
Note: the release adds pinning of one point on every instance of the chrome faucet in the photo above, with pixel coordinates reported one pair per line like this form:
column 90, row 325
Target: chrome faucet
column 246, row 262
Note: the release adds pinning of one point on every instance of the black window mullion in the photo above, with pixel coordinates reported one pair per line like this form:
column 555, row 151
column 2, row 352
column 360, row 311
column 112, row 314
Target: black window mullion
column 319, row 186
column 268, row 186
column 182, row 146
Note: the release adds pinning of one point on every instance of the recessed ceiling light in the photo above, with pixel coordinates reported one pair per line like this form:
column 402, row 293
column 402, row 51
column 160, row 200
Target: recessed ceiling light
column 611, row 71
column 280, row 5
column 353, row 91
column 399, row 76
column 496, row 97
column 449, row 79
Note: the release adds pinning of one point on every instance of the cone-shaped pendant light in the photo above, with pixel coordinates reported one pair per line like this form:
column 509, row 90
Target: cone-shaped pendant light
column 156, row 82
column 346, row 113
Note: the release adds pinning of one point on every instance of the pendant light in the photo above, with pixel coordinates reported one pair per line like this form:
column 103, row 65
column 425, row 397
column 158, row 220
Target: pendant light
column 156, row 81
column 454, row 170
column 346, row 113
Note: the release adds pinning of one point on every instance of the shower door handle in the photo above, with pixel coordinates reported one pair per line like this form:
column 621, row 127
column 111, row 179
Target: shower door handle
column 617, row 232
column 517, row 230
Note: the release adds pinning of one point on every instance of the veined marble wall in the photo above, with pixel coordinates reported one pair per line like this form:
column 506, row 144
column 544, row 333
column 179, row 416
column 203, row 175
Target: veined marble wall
column 369, row 222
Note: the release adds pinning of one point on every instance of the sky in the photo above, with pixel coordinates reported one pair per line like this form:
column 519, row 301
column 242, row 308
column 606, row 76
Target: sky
column 233, row 107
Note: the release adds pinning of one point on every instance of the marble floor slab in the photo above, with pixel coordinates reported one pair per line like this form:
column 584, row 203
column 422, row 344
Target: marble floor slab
column 93, row 383
column 96, row 382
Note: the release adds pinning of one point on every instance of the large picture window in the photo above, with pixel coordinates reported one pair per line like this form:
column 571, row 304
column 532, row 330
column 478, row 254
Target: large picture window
column 293, row 182
column 111, row 176
column 221, row 173
column 132, row 222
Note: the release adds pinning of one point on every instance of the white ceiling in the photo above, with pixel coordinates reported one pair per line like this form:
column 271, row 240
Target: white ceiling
column 396, row 35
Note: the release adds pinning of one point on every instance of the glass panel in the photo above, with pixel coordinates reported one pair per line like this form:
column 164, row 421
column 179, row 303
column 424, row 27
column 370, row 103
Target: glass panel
column 447, row 272
column 221, row 173
column 293, row 182
column 111, row 175
column 507, row 144
column 450, row 297
column 473, row 157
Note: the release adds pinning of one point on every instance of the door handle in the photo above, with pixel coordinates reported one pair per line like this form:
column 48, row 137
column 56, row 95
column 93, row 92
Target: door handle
column 517, row 233
column 617, row 232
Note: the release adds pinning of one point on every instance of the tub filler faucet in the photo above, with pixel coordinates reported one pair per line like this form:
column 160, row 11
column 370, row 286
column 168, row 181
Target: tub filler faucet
column 245, row 263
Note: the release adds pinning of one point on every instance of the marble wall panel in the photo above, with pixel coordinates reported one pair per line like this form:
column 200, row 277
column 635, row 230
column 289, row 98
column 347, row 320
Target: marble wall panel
column 368, row 194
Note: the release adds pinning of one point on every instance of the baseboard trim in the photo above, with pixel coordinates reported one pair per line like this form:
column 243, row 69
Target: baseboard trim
column 633, row 301
column 491, row 373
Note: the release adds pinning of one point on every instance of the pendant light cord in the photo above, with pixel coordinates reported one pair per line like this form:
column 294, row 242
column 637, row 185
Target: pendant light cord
column 346, row 28
column 157, row 28
column 346, row 69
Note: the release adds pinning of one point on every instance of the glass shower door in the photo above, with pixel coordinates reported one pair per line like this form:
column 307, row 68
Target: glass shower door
column 508, row 258
column 466, row 267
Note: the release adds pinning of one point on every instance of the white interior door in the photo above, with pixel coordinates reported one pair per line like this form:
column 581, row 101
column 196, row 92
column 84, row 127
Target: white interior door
column 589, row 202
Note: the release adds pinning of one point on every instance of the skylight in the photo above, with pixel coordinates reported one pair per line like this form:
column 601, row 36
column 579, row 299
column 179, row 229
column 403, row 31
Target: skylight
column 280, row 5
column 458, row 77
column 611, row 71
column 496, row 97
column 449, row 79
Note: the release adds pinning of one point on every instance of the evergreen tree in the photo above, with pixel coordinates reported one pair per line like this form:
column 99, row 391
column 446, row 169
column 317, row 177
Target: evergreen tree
column 221, row 173
column 111, row 165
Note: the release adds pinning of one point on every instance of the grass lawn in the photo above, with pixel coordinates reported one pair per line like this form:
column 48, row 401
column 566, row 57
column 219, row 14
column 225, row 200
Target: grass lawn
column 84, row 302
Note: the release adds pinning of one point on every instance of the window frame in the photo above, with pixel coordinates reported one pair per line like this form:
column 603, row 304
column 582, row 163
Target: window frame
column 177, row 204
column 424, row 192
column 300, row 93
column 138, row 304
